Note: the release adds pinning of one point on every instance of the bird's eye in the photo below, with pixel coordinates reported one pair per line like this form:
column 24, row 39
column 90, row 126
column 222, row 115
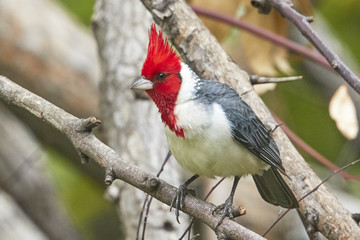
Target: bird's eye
column 161, row 76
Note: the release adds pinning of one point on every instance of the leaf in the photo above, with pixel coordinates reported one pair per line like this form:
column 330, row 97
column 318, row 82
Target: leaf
column 342, row 110
column 264, row 58
column 218, row 29
column 263, row 88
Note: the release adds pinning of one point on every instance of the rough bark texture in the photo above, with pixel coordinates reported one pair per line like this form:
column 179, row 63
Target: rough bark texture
column 22, row 176
column 198, row 48
column 132, row 126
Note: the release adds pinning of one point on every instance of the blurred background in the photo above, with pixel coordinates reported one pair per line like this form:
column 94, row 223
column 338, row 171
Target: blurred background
column 48, row 47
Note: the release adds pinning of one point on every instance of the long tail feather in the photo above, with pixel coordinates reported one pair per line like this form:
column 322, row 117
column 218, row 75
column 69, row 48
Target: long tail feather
column 274, row 189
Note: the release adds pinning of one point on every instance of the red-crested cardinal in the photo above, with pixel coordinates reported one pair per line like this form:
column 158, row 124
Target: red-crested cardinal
column 211, row 131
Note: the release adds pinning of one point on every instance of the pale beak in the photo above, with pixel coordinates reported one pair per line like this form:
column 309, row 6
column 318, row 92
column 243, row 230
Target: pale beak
column 142, row 84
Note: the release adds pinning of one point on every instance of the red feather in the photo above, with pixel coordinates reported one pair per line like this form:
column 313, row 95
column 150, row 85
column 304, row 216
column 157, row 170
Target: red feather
column 161, row 58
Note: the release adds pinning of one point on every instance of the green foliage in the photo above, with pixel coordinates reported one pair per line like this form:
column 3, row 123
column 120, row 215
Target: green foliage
column 82, row 9
column 344, row 18
column 83, row 199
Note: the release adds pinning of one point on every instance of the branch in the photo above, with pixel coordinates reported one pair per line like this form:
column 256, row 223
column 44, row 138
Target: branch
column 255, row 79
column 284, row 7
column 206, row 57
column 264, row 33
column 312, row 152
column 312, row 230
column 56, row 74
column 115, row 167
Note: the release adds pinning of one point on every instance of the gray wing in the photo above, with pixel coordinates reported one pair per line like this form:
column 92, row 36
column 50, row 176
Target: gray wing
column 246, row 127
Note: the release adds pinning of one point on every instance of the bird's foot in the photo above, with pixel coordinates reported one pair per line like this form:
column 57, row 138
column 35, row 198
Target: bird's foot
column 178, row 199
column 225, row 210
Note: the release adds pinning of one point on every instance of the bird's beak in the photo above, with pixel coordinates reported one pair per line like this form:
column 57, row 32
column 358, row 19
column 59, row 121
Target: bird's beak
column 142, row 84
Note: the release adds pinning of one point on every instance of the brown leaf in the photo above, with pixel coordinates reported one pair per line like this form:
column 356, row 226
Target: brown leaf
column 218, row 29
column 263, row 88
column 264, row 58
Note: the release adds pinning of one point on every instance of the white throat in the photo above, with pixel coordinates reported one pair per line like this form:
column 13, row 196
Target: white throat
column 187, row 89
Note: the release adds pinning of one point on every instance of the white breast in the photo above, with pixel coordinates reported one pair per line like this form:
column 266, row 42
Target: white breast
column 208, row 147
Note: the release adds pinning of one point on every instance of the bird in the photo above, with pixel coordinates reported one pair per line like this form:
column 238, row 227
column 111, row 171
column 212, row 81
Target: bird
column 210, row 130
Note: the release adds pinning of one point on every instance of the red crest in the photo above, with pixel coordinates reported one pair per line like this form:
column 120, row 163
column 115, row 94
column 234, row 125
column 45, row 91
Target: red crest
column 160, row 56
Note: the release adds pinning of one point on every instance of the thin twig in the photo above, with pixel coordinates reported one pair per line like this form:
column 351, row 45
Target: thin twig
column 146, row 217
column 141, row 217
column 256, row 79
column 312, row 191
column 150, row 200
column 312, row 152
column 264, row 34
column 330, row 176
column 187, row 229
column 164, row 163
column 106, row 157
column 302, row 23
column 274, row 38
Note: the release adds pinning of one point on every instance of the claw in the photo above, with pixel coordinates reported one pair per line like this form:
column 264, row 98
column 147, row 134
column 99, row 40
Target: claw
column 225, row 210
column 177, row 202
column 178, row 199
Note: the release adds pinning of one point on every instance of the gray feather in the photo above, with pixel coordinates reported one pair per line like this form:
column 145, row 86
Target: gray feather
column 246, row 127
column 274, row 189
column 248, row 130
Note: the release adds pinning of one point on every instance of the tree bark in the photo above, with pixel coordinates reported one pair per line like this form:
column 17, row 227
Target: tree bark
column 132, row 126
column 202, row 52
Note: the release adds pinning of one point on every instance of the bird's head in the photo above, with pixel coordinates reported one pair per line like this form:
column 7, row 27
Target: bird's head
column 160, row 76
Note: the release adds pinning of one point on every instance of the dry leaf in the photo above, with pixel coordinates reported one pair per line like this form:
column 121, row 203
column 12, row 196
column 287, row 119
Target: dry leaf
column 263, row 88
column 342, row 110
column 218, row 29
column 264, row 58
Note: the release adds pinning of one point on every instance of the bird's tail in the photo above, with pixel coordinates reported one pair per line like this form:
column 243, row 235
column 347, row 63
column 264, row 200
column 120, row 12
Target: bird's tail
column 274, row 189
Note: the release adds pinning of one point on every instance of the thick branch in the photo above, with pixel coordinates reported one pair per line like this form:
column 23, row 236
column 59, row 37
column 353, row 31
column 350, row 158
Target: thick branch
column 88, row 144
column 132, row 126
column 303, row 24
column 202, row 52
